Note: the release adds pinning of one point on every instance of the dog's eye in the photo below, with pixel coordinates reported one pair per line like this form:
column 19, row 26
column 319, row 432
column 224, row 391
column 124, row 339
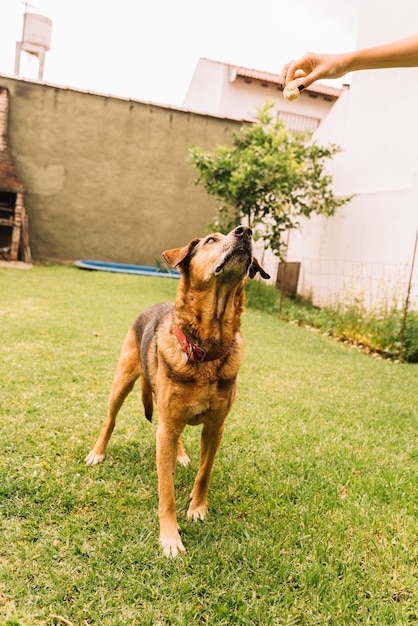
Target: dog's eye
column 211, row 240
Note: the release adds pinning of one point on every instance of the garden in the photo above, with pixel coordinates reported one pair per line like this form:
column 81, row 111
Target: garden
column 313, row 502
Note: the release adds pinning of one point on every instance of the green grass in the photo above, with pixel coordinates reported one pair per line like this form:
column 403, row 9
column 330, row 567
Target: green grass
column 313, row 502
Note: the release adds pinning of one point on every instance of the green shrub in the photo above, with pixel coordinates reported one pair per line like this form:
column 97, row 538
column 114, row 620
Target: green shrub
column 377, row 330
column 411, row 337
column 262, row 297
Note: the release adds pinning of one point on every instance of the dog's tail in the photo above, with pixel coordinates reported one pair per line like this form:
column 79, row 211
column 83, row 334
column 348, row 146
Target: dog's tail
column 146, row 394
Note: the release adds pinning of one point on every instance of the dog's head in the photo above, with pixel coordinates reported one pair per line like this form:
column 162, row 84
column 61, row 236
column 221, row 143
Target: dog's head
column 224, row 258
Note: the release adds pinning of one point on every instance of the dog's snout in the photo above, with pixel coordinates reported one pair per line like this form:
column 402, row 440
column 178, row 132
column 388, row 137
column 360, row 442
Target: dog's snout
column 243, row 231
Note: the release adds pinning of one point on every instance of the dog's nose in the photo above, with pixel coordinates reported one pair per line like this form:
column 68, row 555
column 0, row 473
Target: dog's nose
column 243, row 231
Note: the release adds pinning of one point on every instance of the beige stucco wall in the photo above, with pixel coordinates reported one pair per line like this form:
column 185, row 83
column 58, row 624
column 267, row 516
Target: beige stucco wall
column 108, row 178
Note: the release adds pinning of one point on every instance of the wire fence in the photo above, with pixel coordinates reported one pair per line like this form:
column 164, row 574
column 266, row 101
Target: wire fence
column 366, row 288
column 377, row 286
column 331, row 282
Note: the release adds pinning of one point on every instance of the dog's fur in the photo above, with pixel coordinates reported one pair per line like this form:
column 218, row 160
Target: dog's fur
column 208, row 307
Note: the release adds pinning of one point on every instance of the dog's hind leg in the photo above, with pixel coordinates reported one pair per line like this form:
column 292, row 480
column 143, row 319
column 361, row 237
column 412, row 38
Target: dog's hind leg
column 182, row 458
column 210, row 440
column 127, row 372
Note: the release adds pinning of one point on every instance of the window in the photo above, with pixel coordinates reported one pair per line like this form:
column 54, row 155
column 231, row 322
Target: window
column 298, row 123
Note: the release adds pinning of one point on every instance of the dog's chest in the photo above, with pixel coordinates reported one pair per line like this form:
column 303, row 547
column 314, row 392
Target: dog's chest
column 196, row 412
column 208, row 400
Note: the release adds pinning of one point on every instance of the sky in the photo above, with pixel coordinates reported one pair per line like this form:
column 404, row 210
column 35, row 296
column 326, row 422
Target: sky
column 148, row 49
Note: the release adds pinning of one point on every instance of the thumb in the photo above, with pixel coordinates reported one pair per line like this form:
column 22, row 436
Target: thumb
column 307, row 80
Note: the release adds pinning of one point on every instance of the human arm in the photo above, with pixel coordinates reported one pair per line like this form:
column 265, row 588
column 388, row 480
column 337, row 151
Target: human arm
column 312, row 66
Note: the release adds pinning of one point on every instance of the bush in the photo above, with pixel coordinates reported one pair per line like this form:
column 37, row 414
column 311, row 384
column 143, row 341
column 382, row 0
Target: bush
column 411, row 337
column 269, row 177
column 378, row 330
column 262, row 297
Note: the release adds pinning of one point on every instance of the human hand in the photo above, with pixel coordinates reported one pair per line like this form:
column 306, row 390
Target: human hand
column 312, row 67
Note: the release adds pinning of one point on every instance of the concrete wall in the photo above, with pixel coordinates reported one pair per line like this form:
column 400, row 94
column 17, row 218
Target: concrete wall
column 107, row 178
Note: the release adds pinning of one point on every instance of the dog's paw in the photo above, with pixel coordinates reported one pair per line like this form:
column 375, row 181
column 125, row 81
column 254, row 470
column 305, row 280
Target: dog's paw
column 93, row 458
column 171, row 545
column 197, row 512
column 183, row 460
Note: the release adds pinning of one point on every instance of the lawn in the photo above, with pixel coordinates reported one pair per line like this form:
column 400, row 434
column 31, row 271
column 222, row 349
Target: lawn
column 313, row 502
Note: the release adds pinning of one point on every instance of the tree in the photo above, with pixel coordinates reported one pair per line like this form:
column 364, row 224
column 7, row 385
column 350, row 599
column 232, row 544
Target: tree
column 270, row 178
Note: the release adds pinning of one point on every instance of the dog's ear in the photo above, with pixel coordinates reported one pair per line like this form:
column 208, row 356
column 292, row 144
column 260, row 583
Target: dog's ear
column 256, row 267
column 177, row 256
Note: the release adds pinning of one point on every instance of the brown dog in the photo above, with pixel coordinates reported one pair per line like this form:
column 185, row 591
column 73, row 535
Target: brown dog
column 188, row 355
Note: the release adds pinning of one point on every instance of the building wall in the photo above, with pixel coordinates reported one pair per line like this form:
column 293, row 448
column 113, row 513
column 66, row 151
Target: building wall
column 241, row 99
column 213, row 90
column 107, row 178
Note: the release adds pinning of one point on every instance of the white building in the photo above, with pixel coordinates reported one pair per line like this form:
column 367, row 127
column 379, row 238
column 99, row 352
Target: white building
column 231, row 91
column 368, row 246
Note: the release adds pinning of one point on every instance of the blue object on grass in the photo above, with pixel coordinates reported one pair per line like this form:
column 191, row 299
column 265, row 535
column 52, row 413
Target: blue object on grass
column 143, row 270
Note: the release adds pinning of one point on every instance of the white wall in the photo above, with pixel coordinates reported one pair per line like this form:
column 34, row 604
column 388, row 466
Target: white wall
column 205, row 90
column 368, row 245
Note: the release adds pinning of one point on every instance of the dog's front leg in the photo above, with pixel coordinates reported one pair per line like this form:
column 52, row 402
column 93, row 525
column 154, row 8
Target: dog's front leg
column 167, row 441
column 210, row 440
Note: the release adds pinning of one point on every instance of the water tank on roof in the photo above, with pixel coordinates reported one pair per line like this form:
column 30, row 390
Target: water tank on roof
column 37, row 30
column 36, row 40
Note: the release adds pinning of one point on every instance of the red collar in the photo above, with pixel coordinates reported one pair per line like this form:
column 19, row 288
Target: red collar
column 193, row 352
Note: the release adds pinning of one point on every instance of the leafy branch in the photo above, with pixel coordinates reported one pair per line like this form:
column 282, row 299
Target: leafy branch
column 269, row 177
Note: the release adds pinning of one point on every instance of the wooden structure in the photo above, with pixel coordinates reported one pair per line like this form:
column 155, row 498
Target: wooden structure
column 14, row 241
column 288, row 278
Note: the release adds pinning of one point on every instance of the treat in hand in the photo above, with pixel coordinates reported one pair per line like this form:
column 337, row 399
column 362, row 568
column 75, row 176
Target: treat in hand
column 291, row 92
